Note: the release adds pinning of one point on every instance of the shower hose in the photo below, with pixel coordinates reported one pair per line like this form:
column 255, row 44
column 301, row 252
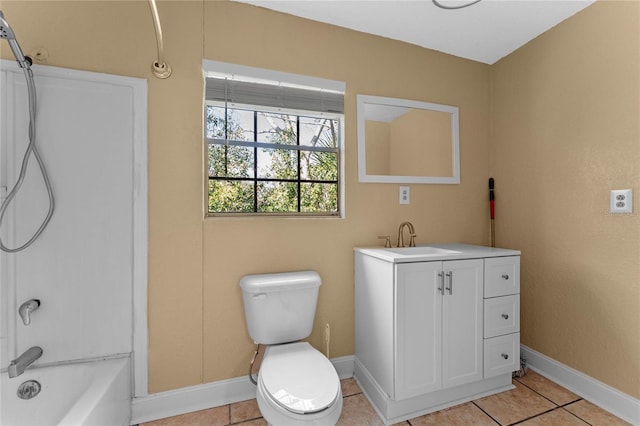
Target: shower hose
column 31, row 149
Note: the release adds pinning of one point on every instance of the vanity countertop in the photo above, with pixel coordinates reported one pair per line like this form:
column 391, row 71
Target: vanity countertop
column 429, row 252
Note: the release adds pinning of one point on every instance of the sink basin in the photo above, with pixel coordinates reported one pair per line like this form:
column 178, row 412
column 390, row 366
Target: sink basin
column 433, row 253
column 421, row 251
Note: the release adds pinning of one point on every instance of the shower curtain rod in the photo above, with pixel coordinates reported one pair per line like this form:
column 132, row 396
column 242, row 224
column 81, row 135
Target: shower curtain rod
column 160, row 68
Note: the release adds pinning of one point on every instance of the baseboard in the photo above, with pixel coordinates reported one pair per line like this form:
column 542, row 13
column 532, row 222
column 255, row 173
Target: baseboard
column 344, row 366
column 618, row 403
column 200, row 397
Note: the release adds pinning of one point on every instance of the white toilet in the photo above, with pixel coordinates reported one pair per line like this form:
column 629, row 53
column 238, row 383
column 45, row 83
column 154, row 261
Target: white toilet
column 297, row 384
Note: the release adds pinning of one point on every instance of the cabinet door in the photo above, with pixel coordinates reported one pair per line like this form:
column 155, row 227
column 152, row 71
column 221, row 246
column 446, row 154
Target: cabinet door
column 418, row 329
column 462, row 318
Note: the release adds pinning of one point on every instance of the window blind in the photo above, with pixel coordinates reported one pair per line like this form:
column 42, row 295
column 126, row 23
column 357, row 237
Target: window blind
column 273, row 95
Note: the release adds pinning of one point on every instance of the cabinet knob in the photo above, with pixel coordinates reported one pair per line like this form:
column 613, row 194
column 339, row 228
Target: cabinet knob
column 505, row 316
column 505, row 356
column 505, row 276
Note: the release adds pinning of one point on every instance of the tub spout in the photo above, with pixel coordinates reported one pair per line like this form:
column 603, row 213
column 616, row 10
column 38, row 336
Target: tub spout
column 18, row 365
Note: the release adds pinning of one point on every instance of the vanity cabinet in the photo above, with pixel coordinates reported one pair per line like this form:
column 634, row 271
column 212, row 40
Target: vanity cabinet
column 438, row 326
column 437, row 330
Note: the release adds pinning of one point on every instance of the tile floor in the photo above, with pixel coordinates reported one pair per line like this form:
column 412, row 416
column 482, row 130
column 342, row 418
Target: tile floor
column 536, row 401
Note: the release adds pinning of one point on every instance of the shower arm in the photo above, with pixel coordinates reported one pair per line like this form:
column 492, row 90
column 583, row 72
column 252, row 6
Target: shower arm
column 160, row 68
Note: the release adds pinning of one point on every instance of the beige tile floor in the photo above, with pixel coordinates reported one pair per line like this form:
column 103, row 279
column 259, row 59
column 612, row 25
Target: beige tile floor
column 536, row 401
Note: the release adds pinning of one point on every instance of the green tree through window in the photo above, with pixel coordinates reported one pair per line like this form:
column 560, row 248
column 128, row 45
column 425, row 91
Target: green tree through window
column 273, row 162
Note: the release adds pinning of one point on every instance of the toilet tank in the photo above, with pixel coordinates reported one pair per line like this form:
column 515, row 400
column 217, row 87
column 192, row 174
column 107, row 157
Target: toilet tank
column 280, row 308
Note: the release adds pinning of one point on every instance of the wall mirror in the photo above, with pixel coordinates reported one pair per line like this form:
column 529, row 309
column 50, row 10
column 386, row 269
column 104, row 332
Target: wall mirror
column 405, row 141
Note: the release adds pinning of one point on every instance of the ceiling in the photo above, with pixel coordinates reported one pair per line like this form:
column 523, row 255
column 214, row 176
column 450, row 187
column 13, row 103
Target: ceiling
column 484, row 32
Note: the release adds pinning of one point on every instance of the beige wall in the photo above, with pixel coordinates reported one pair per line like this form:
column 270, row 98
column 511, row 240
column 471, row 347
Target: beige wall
column 196, row 324
column 197, row 331
column 565, row 131
column 369, row 65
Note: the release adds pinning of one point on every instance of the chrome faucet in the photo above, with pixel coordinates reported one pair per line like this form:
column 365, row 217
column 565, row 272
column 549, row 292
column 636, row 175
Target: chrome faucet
column 18, row 365
column 412, row 233
column 27, row 308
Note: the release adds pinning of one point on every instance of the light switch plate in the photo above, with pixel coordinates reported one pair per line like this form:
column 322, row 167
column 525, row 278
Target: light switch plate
column 621, row 201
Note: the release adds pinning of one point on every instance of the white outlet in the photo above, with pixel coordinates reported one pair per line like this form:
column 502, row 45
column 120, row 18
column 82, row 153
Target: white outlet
column 621, row 201
column 405, row 195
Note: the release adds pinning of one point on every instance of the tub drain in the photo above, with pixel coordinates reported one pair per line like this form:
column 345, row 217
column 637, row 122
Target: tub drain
column 29, row 389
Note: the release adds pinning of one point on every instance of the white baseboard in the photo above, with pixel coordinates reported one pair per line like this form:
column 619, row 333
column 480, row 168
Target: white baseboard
column 618, row 403
column 200, row 397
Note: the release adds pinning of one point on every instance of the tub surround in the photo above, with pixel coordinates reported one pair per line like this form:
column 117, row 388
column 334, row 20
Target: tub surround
column 89, row 266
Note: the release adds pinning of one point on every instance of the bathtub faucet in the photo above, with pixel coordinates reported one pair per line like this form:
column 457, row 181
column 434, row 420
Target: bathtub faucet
column 18, row 365
column 27, row 308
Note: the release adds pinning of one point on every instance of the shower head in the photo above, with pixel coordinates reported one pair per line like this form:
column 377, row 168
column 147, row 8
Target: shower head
column 5, row 29
column 7, row 33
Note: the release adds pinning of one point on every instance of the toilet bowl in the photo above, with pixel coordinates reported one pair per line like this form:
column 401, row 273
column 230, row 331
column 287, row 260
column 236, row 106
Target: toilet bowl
column 297, row 385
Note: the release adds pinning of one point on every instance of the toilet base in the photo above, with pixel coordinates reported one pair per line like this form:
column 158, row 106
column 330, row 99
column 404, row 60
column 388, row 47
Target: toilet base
column 275, row 415
column 295, row 367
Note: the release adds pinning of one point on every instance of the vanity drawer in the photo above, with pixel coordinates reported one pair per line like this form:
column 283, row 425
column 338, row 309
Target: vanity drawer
column 501, row 276
column 501, row 355
column 501, row 316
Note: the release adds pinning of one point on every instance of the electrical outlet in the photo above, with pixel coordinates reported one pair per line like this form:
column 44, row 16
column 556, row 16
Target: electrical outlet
column 621, row 201
column 405, row 195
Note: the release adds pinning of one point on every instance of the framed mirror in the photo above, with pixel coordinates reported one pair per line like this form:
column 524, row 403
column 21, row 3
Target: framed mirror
column 405, row 141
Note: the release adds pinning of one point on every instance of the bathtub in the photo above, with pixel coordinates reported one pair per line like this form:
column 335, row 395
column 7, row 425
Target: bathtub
column 90, row 393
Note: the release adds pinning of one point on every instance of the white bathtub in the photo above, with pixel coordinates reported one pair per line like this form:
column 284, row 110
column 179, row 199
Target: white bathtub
column 92, row 393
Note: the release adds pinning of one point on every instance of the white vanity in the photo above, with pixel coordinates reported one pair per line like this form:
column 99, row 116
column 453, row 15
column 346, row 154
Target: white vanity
column 435, row 325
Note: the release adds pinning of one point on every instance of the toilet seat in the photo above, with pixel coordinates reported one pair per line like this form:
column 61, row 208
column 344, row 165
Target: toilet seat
column 299, row 379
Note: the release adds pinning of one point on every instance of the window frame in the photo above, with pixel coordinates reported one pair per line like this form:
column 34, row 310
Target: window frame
column 256, row 145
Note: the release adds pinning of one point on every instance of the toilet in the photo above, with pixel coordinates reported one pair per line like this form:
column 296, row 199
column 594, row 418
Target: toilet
column 297, row 384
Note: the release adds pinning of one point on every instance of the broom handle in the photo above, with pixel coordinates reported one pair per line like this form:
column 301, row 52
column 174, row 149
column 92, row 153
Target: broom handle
column 492, row 208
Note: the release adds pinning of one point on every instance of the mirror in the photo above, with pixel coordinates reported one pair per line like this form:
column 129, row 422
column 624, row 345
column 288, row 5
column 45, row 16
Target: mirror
column 405, row 141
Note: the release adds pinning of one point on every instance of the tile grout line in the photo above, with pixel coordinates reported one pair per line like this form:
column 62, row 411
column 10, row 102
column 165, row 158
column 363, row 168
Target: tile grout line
column 548, row 399
column 532, row 417
column 553, row 402
column 575, row 415
column 537, row 415
column 490, row 416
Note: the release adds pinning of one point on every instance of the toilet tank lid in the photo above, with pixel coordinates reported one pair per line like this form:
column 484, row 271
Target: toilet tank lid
column 263, row 283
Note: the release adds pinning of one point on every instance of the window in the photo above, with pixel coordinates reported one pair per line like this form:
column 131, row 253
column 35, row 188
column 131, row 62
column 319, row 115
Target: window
column 266, row 158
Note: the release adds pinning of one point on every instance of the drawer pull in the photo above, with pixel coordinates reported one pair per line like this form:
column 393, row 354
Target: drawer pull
column 505, row 356
column 505, row 316
column 505, row 276
column 450, row 288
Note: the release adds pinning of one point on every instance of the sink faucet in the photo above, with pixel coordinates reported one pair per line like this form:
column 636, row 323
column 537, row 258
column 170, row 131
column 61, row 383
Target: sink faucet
column 412, row 233
column 18, row 365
